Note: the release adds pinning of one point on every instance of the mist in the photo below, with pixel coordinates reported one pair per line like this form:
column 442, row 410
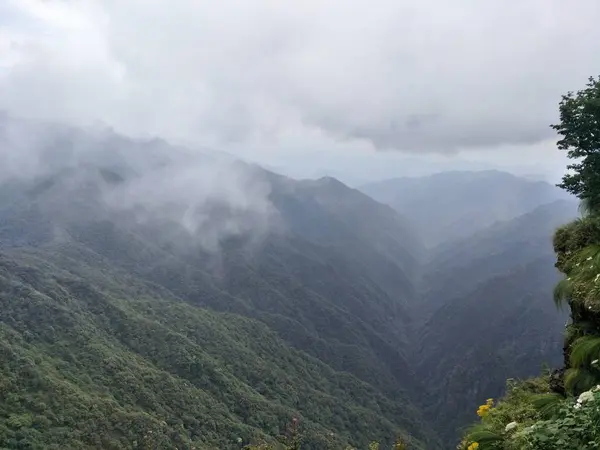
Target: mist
column 198, row 198
column 211, row 200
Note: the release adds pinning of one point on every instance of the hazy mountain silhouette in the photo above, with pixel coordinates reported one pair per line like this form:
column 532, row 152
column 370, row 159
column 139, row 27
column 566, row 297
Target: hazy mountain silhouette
column 454, row 205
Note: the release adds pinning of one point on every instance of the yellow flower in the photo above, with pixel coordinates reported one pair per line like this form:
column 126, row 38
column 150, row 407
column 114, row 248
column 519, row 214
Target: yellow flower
column 473, row 446
column 483, row 410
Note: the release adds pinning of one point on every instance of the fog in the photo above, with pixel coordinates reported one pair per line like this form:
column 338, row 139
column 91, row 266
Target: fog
column 310, row 88
column 148, row 181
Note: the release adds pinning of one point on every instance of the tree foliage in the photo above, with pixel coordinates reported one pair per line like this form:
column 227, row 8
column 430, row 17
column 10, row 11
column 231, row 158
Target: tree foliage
column 91, row 357
column 579, row 128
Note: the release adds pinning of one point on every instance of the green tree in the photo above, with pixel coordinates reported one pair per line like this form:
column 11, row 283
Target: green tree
column 579, row 129
column 577, row 244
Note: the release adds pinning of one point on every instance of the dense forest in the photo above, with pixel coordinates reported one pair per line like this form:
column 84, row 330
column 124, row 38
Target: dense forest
column 93, row 358
column 125, row 333
column 149, row 304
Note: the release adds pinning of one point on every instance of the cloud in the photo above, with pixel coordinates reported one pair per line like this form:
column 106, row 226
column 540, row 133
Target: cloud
column 212, row 201
column 413, row 75
column 189, row 198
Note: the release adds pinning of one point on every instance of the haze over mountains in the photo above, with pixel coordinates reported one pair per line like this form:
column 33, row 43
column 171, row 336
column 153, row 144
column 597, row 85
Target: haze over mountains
column 485, row 296
column 454, row 205
column 207, row 300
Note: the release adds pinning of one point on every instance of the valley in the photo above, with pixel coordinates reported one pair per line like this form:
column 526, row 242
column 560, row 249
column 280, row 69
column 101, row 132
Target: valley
column 172, row 307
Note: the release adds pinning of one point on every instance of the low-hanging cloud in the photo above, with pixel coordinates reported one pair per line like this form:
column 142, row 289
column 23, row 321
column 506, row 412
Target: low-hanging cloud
column 188, row 198
column 211, row 200
column 411, row 75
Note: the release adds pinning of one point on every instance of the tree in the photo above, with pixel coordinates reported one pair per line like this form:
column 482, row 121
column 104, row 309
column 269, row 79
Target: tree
column 577, row 244
column 579, row 129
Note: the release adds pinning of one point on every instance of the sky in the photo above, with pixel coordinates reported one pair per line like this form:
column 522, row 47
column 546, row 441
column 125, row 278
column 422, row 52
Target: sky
column 361, row 90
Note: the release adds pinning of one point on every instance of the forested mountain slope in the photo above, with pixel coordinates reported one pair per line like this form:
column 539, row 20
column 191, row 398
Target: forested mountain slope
column 330, row 289
column 94, row 358
column 487, row 313
column 322, row 273
column 505, row 327
column 135, row 242
column 457, row 267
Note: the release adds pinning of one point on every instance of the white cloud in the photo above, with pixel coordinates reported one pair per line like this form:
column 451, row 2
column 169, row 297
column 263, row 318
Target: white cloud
column 412, row 75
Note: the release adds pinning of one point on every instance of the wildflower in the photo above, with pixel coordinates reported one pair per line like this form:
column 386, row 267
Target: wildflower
column 589, row 258
column 483, row 410
column 239, row 440
column 586, row 396
column 577, row 406
column 511, row 426
column 594, row 362
column 473, row 446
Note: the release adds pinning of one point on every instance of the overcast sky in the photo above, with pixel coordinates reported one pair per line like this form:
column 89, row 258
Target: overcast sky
column 310, row 86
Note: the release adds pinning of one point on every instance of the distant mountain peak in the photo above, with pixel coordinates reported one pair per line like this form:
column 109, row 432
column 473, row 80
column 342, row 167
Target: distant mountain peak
column 465, row 201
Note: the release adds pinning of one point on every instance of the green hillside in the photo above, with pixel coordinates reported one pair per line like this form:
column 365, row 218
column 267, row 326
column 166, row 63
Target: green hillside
column 143, row 308
column 95, row 358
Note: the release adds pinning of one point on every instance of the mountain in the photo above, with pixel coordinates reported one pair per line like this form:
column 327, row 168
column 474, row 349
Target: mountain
column 487, row 314
column 153, row 286
column 454, row 205
column 455, row 268
column 95, row 358
column 506, row 327
column 329, row 276
column 206, row 299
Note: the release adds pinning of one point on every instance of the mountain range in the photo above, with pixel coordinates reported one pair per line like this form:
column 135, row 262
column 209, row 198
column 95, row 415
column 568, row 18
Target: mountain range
column 155, row 297
column 454, row 205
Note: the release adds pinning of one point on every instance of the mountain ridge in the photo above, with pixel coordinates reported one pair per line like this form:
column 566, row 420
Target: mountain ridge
column 454, row 205
column 175, row 262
